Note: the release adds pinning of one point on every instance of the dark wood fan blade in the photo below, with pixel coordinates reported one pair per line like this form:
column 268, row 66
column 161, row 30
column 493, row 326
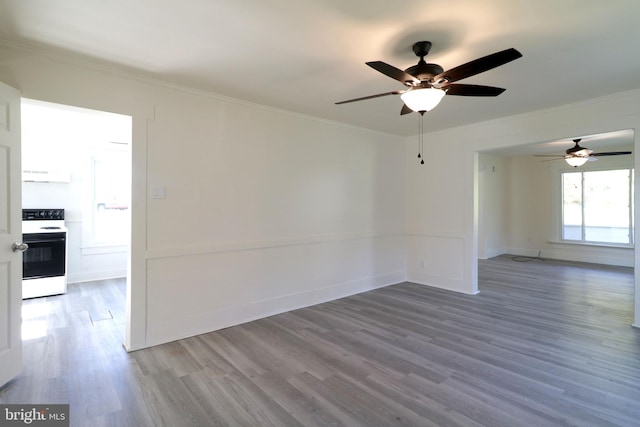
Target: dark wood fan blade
column 395, row 92
column 611, row 153
column 479, row 65
column 472, row 90
column 550, row 155
column 393, row 72
column 405, row 110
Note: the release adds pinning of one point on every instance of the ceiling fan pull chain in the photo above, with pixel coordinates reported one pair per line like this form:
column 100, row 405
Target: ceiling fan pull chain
column 421, row 138
column 419, row 141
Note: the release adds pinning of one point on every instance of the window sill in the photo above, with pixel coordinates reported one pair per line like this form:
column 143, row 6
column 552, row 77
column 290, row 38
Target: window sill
column 103, row 249
column 596, row 244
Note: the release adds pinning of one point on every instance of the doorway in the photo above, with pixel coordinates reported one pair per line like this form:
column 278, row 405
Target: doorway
column 524, row 209
column 79, row 160
column 520, row 208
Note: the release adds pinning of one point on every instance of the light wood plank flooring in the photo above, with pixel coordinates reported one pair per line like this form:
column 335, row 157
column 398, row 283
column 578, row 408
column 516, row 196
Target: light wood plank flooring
column 544, row 343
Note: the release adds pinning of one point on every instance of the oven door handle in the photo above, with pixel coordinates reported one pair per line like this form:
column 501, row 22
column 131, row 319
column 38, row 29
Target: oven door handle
column 19, row 247
column 44, row 240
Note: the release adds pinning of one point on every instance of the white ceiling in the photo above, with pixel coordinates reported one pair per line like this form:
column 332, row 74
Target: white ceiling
column 304, row 55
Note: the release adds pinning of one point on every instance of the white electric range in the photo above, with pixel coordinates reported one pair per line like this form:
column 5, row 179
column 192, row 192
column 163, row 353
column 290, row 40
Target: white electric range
column 44, row 263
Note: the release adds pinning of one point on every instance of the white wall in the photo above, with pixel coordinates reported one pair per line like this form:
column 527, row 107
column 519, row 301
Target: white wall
column 494, row 213
column 437, row 206
column 265, row 210
column 442, row 212
column 529, row 210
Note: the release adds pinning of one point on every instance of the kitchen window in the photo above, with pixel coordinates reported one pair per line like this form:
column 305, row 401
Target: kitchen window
column 111, row 173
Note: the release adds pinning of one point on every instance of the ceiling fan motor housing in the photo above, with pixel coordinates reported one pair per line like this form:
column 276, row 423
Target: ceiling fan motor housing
column 573, row 149
column 577, row 150
column 424, row 71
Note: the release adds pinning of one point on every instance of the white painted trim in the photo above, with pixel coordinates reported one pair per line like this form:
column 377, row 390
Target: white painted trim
column 439, row 282
column 435, row 234
column 591, row 244
column 258, row 245
column 103, row 249
column 491, row 253
column 136, row 299
column 567, row 254
column 96, row 275
column 201, row 323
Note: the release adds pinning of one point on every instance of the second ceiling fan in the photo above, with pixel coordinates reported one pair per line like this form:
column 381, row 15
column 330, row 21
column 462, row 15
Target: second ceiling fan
column 578, row 156
column 428, row 83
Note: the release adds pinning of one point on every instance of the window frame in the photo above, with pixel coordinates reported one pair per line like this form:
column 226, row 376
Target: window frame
column 607, row 164
column 122, row 156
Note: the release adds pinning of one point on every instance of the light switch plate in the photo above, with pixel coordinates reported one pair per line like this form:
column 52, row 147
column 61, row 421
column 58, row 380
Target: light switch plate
column 158, row 192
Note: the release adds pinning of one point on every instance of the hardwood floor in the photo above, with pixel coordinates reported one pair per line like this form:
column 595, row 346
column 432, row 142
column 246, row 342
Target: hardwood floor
column 544, row 343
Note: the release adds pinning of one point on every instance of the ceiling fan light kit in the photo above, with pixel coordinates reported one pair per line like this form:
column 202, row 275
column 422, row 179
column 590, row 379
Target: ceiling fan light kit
column 422, row 99
column 576, row 161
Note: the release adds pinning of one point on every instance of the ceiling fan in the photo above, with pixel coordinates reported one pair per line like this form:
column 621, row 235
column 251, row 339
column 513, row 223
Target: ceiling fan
column 578, row 156
column 428, row 83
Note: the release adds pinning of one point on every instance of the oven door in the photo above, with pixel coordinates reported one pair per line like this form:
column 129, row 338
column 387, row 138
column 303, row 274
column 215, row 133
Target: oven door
column 45, row 256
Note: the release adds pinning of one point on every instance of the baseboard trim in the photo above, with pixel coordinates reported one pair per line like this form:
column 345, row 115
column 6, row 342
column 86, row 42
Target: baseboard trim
column 95, row 276
column 201, row 323
column 449, row 284
column 586, row 254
